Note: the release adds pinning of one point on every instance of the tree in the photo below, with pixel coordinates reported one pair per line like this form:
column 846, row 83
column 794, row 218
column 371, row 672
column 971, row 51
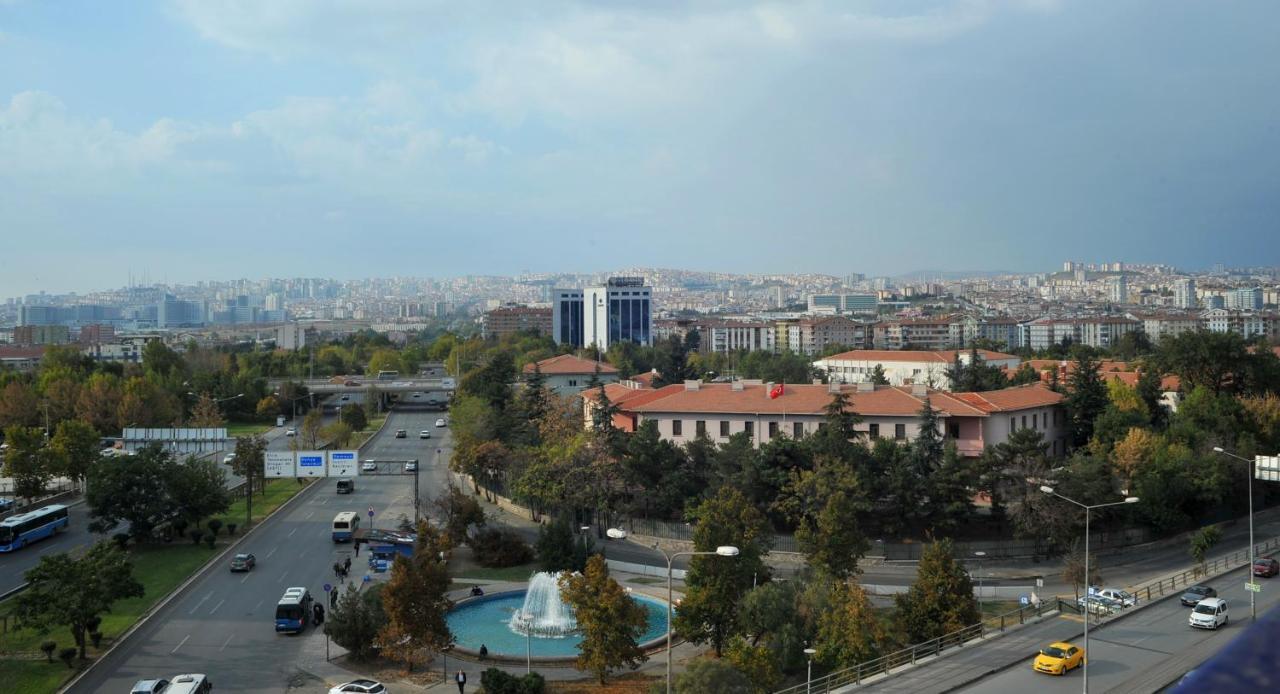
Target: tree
column 555, row 546
column 1132, row 453
column 356, row 619
column 63, row 590
column 28, row 462
column 704, row 676
column 1151, row 391
column 1212, row 360
column 849, row 631
column 416, row 601
column 877, row 376
column 1025, row 375
column 459, row 512
column 19, row 406
column 75, row 446
column 269, row 407
column 198, row 488
column 951, row 488
column 940, row 600
column 384, row 360
column 338, row 433
column 1086, row 397
column 98, row 402
column 311, row 428
column 132, row 489
column 205, row 414
column 1073, row 568
column 1202, row 541
column 757, row 661
column 608, row 619
column 249, row 463
column 715, row 584
column 354, row 417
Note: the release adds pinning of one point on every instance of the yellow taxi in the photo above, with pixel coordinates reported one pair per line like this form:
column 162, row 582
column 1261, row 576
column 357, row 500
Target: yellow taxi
column 1058, row 658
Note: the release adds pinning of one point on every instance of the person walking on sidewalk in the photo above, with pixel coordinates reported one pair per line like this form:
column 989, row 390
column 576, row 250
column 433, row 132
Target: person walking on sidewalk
column 461, row 679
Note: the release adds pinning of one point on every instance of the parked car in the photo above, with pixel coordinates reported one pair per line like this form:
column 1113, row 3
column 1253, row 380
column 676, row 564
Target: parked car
column 424, row 434
column 229, row 459
column 1266, row 567
column 291, row 432
column 1195, row 594
column 1124, row 597
column 401, row 433
column 359, row 687
column 368, row 466
column 6, row 504
column 149, row 687
column 1099, row 605
column 440, row 422
column 351, row 384
column 1058, row 659
column 243, row 562
column 1209, row 613
column 411, row 466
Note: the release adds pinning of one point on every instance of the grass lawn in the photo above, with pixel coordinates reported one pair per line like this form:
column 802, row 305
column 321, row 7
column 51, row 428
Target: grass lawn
column 159, row 567
column 247, row 429
column 510, row 573
column 375, row 423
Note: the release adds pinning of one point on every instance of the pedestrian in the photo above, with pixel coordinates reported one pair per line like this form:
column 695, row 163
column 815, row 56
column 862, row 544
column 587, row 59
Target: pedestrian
column 461, row 679
column 484, row 651
column 357, row 549
column 346, row 565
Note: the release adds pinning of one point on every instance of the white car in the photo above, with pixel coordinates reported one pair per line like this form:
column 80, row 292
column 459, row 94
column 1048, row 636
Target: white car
column 426, row 434
column 1124, row 597
column 1209, row 613
column 149, row 686
column 359, row 687
column 411, row 466
column 291, row 432
column 229, row 459
column 440, row 422
column 368, row 466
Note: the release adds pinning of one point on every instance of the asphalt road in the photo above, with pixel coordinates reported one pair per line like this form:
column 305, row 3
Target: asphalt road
column 1145, row 651
column 223, row 624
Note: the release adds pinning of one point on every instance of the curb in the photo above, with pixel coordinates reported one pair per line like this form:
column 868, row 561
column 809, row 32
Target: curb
column 180, row 589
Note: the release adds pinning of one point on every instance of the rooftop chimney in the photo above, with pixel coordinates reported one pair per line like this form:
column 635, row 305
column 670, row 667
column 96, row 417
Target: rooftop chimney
column 692, row 385
column 919, row 390
column 768, row 387
column 834, row 387
column 736, row 386
column 866, row 387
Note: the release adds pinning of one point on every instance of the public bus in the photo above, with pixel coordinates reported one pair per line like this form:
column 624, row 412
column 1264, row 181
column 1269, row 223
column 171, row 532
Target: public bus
column 293, row 612
column 23, row 529
column 388, row 375
column 344, row 524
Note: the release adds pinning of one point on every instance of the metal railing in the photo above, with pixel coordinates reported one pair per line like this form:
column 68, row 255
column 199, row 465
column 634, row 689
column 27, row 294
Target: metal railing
column 909, row 655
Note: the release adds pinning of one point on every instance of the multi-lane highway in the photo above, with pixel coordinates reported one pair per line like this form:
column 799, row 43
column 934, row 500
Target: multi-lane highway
column 1144, row 651
column 223, row 624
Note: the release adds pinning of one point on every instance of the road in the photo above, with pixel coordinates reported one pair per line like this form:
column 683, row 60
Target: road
column 1145, row 651
column 223, row 624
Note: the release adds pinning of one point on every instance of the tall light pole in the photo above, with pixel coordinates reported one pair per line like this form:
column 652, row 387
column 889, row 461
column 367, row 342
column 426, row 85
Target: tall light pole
column 980, row 554
column 808, row 676
column 1087, row 508
column 1253, row 606
column 721, row 551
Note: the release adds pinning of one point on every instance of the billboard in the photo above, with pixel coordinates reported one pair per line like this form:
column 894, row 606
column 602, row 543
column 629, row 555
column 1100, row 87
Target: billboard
column 278, row 464
column 1267, row 468
column 343, row 464
column 310, row 464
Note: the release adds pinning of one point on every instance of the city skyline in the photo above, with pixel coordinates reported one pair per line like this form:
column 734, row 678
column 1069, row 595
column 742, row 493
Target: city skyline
column 198, row 140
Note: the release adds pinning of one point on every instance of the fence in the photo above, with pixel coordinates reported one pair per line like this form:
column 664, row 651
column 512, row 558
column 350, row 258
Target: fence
column 996, row 549
column 683, row 532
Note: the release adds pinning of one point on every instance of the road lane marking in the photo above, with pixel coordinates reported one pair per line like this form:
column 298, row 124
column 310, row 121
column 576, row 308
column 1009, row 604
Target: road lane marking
column 184, row 640
column 273, row 551
column 291, row 532
column 255, row 607
column 309, row 515
column 1130, row 645
column 246, row 577
column 281, row 579
column 224, row 643
column 215, row 607
column 202, row 601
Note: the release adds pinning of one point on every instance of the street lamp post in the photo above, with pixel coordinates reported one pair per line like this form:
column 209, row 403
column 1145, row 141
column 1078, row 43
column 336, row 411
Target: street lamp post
column 1087, row 508
column 721, row 551
column 979, row 554
column 1253, row 606
column 808, row 676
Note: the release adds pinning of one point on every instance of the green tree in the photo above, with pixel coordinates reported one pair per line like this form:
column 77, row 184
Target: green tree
column 1151, row 391
column 384, row 360
column 28, row 462
column 1202, row 541
column 416, row 602
column 608, row 619
column 1212, row 360
column 941, row 599
column 19, row 406
column 704, row 676
column 825, row 505
column 757, row 661
column 849, row 631
column 1086, row 397
column 205, row 413
column 356, row 619
column 1025, row 375
column 249, row 463
column 269, row 407
column 555, row 546
column 197, row 487
column 132, row 489
column 338, row 433
column 74, row 592
column 715, row 584
column 353, row 416
column 877, row 376
column 459, row 512
column 312, row 426
column 75, row 446
column 98, row 401
column 951, row 488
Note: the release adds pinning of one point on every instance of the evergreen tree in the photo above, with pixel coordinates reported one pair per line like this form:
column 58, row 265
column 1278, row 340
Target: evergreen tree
column 877, row 376
column 951, row 489
column 1086, row 397
column 608, row 619
column 355, row 621
column 941, row 599
column 1151, row 392
column 555, row 546
column 849, row 630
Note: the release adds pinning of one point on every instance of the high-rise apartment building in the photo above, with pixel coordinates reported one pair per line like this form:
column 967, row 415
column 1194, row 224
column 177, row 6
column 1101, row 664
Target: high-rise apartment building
column 1184, row 293
column 1245, row 299
column 1118, row 290
column 620, row 311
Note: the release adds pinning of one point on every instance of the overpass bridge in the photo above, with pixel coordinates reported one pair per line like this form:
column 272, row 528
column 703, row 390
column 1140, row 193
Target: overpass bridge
column 352, row 384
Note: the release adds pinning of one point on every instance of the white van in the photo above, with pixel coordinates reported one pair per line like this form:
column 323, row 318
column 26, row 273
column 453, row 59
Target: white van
column 189, row 684
column 1209, row 613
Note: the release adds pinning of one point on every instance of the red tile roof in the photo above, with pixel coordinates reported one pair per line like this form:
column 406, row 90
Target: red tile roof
column 941, row 356
column 570, row 365
column 1007, row 399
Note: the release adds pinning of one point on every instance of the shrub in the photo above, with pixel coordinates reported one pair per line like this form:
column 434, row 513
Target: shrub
column 500, row 547
column 67, row 655
column 214, row 525
column 495, row 681
column 121, row 539
column 92, row 623
column 179, row 525
column 95, row 637
column 231, row 528
column 49, row 647
column 210, row 539
column 196, row 534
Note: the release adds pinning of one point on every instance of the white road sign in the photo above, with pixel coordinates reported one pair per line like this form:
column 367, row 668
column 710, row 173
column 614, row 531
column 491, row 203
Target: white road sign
column 279, row 464
column 343, row 464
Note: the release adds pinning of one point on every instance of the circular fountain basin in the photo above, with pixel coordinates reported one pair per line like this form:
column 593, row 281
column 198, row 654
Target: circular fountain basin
column 486, row 620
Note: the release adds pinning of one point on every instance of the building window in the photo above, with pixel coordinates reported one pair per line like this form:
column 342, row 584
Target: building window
column 1013, row 424
column 953, row 429
column 573, row 382
column 899, row 431
column 1024, row 421
column 700, row 427
column 677, row 427
column 1035, row 421
column 797, row 430
column 874, row 430
column 724, row 429
column 750, row 428
column 773, row 430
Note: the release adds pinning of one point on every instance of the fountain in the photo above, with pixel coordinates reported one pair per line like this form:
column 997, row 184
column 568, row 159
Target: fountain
column 543, row 613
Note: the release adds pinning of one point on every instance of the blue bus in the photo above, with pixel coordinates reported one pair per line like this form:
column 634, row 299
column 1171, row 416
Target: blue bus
column 23, row 529
column 293, row 612
column 344, row 524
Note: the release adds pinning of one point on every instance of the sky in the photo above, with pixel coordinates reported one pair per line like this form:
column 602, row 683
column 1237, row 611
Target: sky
column 190, row 140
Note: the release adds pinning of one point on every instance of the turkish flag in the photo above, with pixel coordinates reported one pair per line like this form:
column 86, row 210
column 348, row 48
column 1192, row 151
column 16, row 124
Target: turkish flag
column 777, row 391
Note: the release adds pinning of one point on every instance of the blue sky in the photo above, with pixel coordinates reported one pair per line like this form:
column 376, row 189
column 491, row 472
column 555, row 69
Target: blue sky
column 218, row 139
